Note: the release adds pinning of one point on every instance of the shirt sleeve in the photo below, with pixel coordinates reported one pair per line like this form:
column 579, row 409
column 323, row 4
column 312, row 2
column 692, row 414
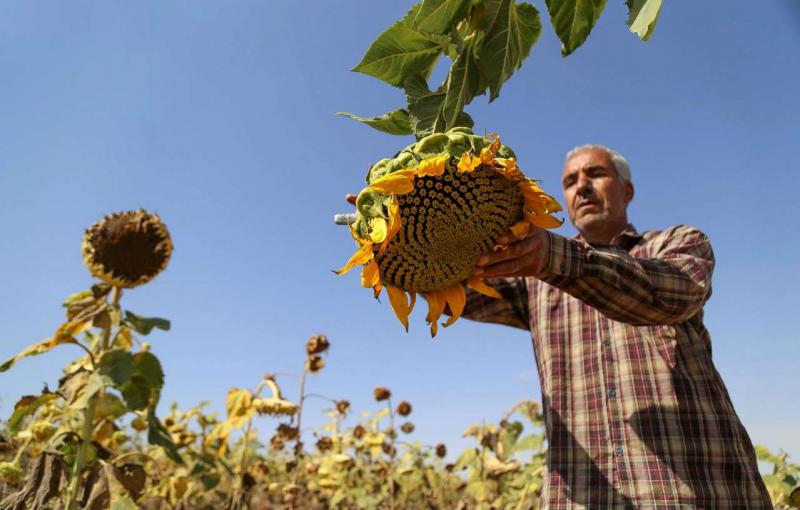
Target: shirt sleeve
column 511, row 310
column 669, row 287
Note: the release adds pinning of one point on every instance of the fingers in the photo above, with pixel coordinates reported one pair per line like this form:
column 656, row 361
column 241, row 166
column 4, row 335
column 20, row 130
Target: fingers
column 513, row 267
column 514, row 250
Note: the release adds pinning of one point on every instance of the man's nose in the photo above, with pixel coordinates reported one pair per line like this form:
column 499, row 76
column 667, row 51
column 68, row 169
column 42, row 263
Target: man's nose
column 584, row 184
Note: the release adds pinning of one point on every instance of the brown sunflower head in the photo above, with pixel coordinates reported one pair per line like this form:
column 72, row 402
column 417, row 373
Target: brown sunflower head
column 317, row 344
column 342, row 406
column 359, row 431
column 404, row 408
column 441, row 450
column 315, row 363
column 381, row 393
column 324, row 444
column 127, row 249
column 407, row 427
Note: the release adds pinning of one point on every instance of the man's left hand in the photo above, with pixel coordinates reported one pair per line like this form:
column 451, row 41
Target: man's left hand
column 527, row 256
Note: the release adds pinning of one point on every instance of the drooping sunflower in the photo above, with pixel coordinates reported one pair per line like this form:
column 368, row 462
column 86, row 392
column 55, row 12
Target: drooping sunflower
column 127, row 249
column 428, row 214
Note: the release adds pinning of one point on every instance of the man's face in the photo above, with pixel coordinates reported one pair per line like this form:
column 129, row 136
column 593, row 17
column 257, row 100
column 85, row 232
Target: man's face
column 596, row 196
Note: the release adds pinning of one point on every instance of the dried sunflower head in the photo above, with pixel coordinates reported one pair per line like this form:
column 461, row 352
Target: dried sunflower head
column 127, row 249
column 428, row 214
column 317, row 344
column 342, row 406
column 407, row 427
column 315, row 363
column 441, row 450
column 380, row 393
column 404, row 408
column 274, row 406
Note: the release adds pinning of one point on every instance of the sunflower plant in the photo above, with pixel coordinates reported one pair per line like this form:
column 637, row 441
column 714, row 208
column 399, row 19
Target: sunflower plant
column 117, row 374
column 428, row 213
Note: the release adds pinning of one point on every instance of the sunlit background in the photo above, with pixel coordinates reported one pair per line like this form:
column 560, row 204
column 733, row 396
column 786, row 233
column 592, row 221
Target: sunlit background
column 219, row 116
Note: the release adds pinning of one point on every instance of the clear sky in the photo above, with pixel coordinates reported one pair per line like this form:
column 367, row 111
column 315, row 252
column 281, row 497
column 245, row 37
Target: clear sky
column 219, row 116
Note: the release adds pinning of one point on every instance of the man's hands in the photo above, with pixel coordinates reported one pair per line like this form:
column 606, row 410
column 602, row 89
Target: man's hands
column 522, row 257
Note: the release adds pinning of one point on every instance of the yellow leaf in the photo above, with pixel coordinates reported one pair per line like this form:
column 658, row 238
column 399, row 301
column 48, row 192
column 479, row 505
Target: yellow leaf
column 361, row 256
column 400, row 182
column 239, row 406
column 399, row 302
column 433, row 166
column 476, row 283
column 468, row 162
column 456, row 298
column 124, row 338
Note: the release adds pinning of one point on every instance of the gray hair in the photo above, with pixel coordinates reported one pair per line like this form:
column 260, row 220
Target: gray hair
column 620, row 163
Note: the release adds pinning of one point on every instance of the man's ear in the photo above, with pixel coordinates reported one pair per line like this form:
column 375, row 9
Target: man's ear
column 629, row 192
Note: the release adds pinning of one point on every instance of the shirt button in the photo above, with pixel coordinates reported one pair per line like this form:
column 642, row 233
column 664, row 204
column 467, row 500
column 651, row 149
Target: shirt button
column 618, row 450
column 607, row 343
column 612, row 393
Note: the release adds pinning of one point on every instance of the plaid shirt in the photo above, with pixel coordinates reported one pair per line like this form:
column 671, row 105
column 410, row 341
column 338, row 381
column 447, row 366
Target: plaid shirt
column 636, row 415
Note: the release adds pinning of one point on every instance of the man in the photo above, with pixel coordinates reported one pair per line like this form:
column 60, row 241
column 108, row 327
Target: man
column 636, row 415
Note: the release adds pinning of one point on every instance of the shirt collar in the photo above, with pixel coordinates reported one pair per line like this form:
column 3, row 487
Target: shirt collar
column 625, row 239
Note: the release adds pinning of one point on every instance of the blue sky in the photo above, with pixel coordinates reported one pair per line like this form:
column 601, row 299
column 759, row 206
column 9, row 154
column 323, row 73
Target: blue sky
column 219, row 116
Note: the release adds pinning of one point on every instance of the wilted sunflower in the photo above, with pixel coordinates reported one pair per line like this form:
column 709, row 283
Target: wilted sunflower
column 127, row 249
column 428, row 215
column 381, row 393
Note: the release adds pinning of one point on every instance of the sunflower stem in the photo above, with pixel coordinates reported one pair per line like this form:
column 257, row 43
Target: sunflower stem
column 88, row 416
column 390, row 474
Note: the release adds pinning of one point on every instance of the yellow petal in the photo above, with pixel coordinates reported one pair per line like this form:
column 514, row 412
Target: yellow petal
column 394, row 222
column 536, row 204
column 476, row 283
column 508, row 169
column 399, row 302
column 436, row 302
column 370, row 276
column 487, row 156
column 546, row 221
column 412, row 301
column 377, row 230
column 520, row 229
column 376, row 290
column 468, row 162
column 400, row 182
column 361, row 256
column 456, row 298
column 495, row 145
column 433, row 166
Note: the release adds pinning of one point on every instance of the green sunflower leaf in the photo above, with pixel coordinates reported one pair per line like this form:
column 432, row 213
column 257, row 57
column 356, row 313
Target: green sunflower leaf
column 401, row 51
column 573, row 20
column 396, row 122
column 158, row 435
column 144, row 325
column 643, row 16
column 511, row 31
column 438, row 16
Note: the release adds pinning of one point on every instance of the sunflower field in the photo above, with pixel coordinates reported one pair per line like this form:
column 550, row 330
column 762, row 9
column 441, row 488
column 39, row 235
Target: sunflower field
column 103, row 438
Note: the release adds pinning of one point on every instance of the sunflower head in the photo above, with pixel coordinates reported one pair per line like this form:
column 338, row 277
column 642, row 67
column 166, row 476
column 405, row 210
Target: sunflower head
column 441, row 450
column 407, row 427
column 381, row 393
column 317, row 344
column 127, row 249
column 428, row 214
column 404, row 408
